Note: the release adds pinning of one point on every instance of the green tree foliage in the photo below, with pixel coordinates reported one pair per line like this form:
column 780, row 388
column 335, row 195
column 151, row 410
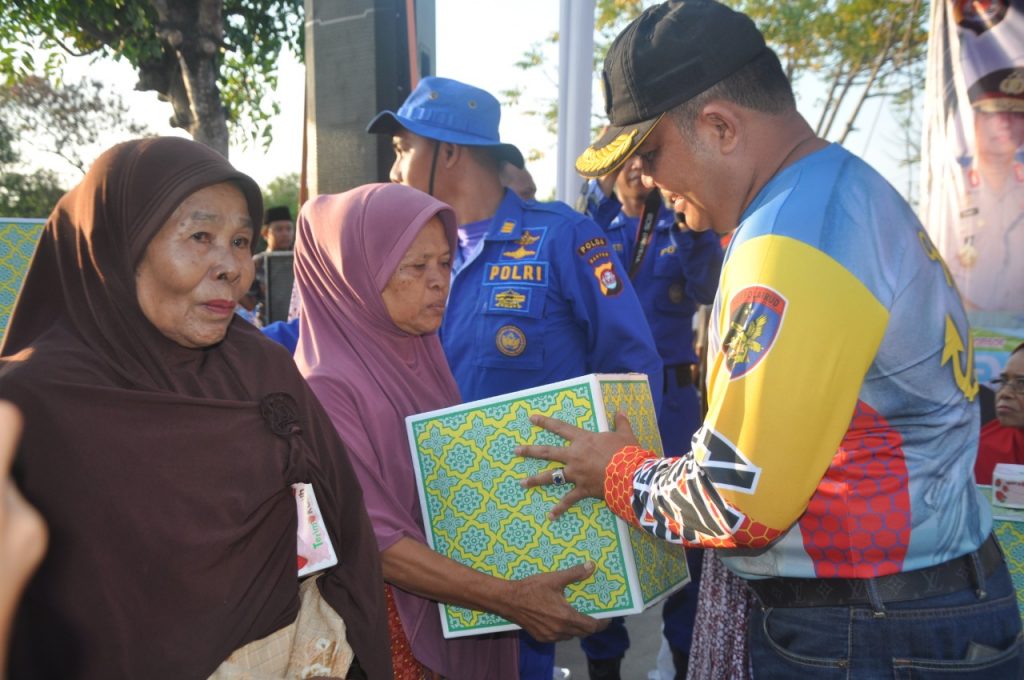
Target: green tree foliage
column 858, row 49
column 214, row 61
column 24, row 195
column 65, row 120
column 283, row 190
column 610, row 17
column 31, row 195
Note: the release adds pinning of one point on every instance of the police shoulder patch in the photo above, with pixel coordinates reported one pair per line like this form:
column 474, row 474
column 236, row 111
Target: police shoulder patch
column 755, row 318
column 608, row 279
column 587, row 246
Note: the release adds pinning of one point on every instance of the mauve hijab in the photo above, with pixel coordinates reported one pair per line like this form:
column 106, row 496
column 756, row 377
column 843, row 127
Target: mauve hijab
column 369, row 374
column 164, row 472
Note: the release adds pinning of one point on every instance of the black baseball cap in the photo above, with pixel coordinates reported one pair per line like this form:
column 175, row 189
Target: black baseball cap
column 276, row 213
column 667, row 55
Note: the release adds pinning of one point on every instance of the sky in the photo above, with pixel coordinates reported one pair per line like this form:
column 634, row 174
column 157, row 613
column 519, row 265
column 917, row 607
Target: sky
column 479, row 43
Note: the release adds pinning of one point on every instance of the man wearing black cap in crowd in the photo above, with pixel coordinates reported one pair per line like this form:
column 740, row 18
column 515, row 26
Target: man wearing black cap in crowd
column 833, row 470
column 278, row 233
column 278, row 228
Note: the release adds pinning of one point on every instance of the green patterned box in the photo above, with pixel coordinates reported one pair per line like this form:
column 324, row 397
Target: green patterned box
column 477, row 513
column 18, row 239
column 1008, row 526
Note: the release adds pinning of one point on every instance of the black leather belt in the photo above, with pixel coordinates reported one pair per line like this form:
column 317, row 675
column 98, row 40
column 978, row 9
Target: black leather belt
column 941, row 579
column 683, row 373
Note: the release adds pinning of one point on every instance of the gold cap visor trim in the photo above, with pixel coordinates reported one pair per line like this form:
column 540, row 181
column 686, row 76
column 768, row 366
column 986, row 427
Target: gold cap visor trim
column 999, row 105
column 600, row 159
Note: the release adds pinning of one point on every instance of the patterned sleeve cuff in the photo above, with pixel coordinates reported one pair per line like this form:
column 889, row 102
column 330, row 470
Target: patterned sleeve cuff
column 618, row 480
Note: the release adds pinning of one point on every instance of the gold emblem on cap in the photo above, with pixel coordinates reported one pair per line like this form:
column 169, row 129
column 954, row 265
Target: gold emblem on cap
column 595, row 160
column 1012, row 84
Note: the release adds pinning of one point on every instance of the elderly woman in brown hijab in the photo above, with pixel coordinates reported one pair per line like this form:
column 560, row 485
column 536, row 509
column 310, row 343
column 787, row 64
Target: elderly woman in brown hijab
column 162, row 437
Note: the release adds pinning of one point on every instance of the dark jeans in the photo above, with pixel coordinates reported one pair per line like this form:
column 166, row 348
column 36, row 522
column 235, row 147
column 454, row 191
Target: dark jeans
column 960, row 635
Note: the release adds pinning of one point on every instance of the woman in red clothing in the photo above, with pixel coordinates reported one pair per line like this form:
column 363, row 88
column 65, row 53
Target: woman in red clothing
column 1002, row 439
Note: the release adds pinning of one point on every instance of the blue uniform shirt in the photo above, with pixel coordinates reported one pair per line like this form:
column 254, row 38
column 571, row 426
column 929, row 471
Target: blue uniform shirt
column 543, row 299
column 679, row 272
column 283, row 333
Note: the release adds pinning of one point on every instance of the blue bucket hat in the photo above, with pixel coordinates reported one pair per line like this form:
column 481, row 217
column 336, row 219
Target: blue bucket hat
column 449, row 111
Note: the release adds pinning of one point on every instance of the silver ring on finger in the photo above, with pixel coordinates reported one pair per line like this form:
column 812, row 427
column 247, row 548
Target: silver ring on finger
column 558, row 477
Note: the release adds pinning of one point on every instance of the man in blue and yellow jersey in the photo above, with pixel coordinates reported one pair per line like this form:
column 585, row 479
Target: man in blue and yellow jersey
column 537, row 296
column 833, row 470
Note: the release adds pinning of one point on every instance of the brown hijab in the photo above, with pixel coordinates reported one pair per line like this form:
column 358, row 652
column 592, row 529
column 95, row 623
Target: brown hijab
column 164, row 472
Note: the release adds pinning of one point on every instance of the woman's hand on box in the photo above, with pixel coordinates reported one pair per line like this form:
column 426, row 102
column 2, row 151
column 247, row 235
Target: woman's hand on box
column 538, row 604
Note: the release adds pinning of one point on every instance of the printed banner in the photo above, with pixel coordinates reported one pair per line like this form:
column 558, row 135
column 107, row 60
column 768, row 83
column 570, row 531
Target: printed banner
column 1008, row 526
column 18, row 239
column 972, row 161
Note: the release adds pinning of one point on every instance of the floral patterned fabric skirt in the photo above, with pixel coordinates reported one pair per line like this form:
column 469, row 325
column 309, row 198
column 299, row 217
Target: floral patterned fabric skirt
column 719, row 648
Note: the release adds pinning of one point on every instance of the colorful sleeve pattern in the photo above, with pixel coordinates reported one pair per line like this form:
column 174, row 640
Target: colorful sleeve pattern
column 776, row 419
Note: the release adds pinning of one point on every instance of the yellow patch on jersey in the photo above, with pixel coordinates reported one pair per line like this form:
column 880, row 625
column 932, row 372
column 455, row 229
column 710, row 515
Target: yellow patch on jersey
column 790, row 414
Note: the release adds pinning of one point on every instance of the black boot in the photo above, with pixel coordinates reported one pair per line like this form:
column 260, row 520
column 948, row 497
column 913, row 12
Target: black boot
column 604, row 669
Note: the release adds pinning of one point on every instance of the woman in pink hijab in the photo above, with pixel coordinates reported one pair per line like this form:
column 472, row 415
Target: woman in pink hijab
column 372, row 268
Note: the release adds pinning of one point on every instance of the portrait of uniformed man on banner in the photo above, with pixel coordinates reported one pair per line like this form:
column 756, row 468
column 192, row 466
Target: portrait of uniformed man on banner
column 986, row 251
column 974, row 203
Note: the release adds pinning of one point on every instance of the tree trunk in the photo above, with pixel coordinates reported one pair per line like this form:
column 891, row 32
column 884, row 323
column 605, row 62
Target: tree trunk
column 186, row 76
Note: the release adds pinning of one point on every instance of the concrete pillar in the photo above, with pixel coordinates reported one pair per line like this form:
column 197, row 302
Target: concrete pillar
column 357, row 63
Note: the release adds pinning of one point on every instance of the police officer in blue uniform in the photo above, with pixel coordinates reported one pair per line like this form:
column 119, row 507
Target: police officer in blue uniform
column 537, row 294
column 674, row 270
